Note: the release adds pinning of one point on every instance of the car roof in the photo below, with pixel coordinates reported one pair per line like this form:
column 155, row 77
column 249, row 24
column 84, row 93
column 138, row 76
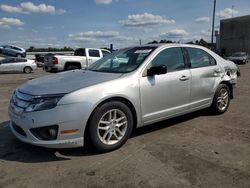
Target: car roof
column 172, row 45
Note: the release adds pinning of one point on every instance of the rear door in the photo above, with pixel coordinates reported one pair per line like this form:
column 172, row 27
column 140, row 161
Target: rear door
column 93, row 55
column 205, row 76
column 20, row 64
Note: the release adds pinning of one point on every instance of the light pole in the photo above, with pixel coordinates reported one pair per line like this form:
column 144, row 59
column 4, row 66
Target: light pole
column 212, row 37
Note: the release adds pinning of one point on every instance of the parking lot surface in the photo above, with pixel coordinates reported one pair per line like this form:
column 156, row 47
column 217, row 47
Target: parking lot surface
column 195, row 150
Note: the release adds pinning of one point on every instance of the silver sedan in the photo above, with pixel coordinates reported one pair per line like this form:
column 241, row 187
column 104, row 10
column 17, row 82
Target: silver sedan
column 130, row 88
column 17, row 65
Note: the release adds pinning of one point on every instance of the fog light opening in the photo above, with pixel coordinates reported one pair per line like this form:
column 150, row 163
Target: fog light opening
column 45, row 133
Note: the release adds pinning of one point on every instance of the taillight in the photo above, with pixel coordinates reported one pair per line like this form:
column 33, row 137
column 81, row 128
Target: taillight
column 55, row 60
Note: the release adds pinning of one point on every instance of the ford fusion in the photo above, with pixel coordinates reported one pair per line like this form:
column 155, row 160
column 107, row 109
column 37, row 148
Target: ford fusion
column 130, row 88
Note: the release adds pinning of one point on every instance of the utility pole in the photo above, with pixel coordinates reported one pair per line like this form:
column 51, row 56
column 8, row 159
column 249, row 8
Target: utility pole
column 140, row 42
column 232, row 11
column 212, row 37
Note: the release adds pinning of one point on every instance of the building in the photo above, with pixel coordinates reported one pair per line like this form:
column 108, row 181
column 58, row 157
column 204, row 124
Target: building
column 235, row 35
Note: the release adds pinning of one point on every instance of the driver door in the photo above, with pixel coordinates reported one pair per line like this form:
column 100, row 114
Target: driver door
column 165, row 95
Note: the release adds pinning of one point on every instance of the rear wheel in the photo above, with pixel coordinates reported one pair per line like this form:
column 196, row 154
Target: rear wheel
column 110, row 126
column 221, row 99
column 27, row 70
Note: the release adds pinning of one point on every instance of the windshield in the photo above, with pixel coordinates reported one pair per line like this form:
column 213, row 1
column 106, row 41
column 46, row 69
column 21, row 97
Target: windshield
column 239, row 54
column 122, row 61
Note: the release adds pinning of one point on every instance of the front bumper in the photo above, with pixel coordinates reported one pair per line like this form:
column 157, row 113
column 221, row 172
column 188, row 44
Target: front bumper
column 67, row 117
column 31, row 139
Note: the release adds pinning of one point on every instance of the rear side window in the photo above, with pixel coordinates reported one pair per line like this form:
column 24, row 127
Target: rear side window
column 200, row 58
column 94, row 53
column 15, row 48
column 172, row 58
column 80, row 52
column 17, row 60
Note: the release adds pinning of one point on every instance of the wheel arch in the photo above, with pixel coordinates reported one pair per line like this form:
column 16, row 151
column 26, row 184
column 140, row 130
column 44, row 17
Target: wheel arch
column 75, row 63
column 119, row 99
column 230, row 86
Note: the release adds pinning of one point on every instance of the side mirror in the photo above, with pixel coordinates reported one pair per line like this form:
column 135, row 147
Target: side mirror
column 157, row 70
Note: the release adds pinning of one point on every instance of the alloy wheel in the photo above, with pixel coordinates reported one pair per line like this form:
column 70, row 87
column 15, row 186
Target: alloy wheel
column 112, row 127
column 223, row 99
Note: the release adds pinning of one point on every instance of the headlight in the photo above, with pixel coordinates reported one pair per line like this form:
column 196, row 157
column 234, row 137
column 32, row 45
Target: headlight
column 43, row 103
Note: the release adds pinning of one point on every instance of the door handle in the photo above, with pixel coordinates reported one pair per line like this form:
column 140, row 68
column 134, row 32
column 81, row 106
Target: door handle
column 184, row 78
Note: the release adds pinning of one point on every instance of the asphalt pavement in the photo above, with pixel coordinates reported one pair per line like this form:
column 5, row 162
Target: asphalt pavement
column 195, row 150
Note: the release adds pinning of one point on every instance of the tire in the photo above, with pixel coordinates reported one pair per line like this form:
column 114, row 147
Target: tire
column 111, row 133
column 71, row 67
column 221, row 99
column 27, row 70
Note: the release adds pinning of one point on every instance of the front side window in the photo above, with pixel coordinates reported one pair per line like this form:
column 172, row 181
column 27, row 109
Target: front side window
column 200, row 58
column 6, row 61
column 105, row 53
column 122, row 61
column 94, row 53
column 172, row 58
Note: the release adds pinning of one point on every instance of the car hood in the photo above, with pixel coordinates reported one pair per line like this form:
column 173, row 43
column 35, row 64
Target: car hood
column 65, row 82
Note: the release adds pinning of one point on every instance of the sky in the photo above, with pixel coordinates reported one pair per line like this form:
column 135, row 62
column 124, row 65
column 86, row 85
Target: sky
column 98, row 23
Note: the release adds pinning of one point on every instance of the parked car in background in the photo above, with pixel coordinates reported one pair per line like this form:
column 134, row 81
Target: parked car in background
column 239, row 57
column 17, row 65
column 127, row 89
column 83, row 57
column 14, row 51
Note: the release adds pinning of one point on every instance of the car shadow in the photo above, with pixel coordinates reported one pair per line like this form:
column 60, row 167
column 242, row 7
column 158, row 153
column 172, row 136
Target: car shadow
column 16, row 72
column 171, row 122
column 12, row 149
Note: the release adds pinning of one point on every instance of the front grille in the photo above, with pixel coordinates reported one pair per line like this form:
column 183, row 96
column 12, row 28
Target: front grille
column 19, row 130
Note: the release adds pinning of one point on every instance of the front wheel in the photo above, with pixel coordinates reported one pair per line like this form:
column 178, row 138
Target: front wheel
column 221, row 99
column 110, row 126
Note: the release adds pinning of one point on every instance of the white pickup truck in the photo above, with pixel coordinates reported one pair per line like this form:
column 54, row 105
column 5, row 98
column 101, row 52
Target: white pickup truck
column 82, row 58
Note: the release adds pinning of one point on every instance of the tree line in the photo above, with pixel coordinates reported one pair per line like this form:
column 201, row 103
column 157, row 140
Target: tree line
column 49, row 49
